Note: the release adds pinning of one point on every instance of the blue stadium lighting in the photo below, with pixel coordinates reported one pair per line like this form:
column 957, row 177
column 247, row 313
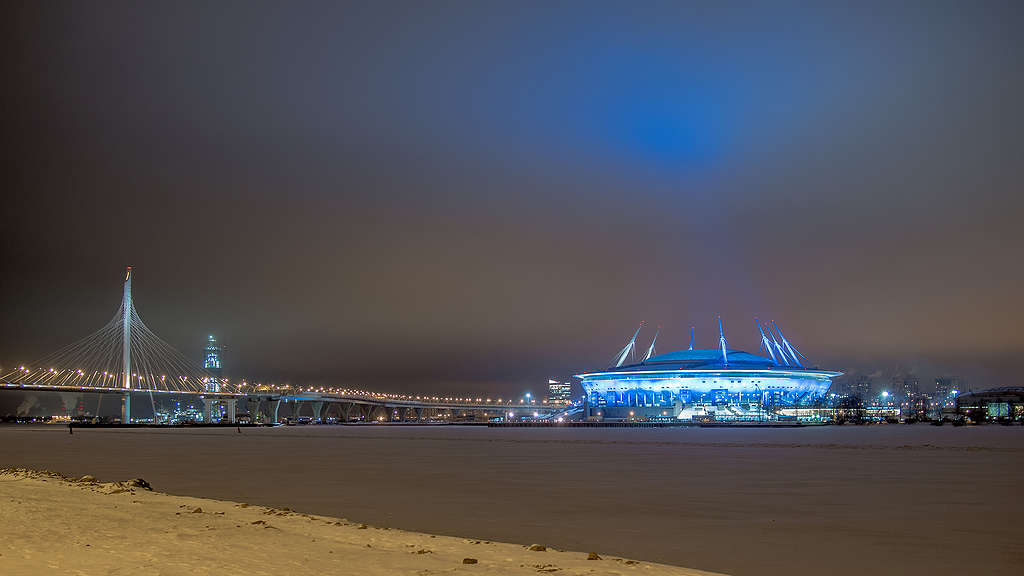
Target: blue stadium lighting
column 709, row 383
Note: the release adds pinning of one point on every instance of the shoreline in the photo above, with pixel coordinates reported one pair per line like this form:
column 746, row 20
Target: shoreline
column 81, row 525
column 720, row 500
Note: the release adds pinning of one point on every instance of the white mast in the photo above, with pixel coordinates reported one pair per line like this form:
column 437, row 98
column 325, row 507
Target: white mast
column 126, row 350
column 624, row 353
column 650, row 350
column 789, row 347
column 764, row 342
column 722, row 343
column 778, row 347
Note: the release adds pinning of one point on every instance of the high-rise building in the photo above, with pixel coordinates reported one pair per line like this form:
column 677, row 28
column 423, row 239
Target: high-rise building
column 212, row 364
column 946, row 390
column 559, row 392
column 861, row 387
column 905, row 386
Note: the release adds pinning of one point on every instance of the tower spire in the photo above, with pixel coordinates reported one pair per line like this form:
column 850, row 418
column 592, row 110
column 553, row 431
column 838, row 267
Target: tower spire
column 691, row 338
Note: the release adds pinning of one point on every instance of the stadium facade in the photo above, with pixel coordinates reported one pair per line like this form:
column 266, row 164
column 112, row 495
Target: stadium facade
column 706, row 384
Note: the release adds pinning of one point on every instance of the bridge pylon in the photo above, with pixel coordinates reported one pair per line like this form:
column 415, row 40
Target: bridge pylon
column 122, row 357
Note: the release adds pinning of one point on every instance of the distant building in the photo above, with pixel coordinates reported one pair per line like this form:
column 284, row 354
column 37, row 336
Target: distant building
column 559, row 392
column 212, row 364
column 905, row 386
column 860, row 388
column 1005, row 403
column 946, row 391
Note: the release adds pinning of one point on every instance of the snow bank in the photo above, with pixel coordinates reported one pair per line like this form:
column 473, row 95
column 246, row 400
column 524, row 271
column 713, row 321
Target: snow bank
column 52, row 523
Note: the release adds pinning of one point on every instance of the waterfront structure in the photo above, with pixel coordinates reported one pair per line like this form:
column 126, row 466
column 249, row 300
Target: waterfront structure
column 1005, row 403
column 707, row 384
column 125, row 358
column 559, row 392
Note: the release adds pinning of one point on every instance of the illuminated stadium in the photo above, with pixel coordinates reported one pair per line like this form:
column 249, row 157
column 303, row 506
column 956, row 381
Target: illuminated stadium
column 706, row 384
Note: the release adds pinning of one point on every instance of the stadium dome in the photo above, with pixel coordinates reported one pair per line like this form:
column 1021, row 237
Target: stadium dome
column 716, row 383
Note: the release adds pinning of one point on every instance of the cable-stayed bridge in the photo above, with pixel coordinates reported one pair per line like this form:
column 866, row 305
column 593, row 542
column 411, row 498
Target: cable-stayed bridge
column 126, row 359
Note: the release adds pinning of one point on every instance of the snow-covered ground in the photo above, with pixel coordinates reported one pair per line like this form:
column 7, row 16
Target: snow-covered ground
column 836, row 500
column 55, row 525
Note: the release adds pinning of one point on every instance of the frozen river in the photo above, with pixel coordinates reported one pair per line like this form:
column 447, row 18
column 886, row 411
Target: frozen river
column 834, row 500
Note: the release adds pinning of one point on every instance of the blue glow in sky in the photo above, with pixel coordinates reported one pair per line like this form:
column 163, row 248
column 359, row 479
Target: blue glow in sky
column 521, row 182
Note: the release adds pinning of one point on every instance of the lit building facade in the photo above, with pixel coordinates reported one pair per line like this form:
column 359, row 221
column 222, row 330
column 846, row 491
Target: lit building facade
column 212, row 363
column 706, row 384
column 559, row 392
column 946, row 391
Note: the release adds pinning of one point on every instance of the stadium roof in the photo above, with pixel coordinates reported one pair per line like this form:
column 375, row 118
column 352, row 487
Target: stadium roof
column 703, row 359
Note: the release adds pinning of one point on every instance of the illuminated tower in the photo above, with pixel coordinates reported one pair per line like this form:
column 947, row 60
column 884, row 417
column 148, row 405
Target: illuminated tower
column 212, row 363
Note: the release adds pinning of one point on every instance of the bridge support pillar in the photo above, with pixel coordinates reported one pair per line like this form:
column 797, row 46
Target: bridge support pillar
column 272, row 408
column 126, row 408
column 252, row 404
column 419, row 414
column 318, row 407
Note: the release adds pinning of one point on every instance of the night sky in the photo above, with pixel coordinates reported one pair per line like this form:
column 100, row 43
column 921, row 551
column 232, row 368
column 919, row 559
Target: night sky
column 475, row 196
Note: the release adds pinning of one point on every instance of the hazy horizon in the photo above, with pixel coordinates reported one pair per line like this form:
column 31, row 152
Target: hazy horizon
column 486, row 195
